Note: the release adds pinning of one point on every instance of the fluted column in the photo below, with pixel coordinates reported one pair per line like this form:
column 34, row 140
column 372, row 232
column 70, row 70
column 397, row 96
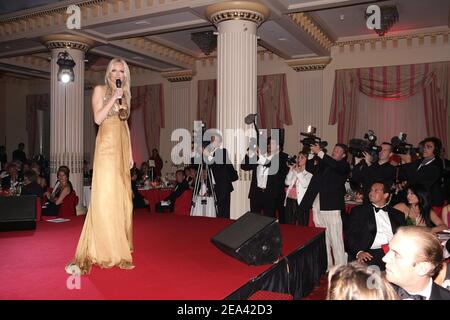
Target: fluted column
column 237, row 23
column 67, row 111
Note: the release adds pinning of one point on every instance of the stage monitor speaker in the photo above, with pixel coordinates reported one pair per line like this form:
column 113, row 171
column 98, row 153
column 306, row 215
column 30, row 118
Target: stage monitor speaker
column 17, row 213
column 253, row 239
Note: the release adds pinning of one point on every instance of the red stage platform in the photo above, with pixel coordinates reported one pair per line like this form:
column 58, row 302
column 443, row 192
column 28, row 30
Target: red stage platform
column 174, row 259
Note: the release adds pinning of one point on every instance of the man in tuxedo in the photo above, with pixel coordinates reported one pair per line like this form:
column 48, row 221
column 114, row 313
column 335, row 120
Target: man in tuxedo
column 223, row 174
column 426, row 171
column 30, row 186
column 414, row 258
column 268, row 174
column 365, row 173
column 325, row 194
column 168, row 204
column 372, row 225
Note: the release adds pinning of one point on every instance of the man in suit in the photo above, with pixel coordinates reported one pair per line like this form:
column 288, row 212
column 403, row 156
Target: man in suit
column 268, row 174
column 19, row 154
column 30, row 185
column 365, row 173
column 414, row 258
column 426, row 171
column 168, row 204
column 325, row 194
column 372, row 225
column 223, row 174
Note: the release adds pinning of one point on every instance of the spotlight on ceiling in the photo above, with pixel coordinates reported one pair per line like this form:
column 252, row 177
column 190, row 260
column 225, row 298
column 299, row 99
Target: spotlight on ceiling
column 66, row 64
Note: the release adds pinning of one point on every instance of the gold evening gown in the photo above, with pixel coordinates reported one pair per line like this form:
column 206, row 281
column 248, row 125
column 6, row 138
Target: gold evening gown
column 107, row 236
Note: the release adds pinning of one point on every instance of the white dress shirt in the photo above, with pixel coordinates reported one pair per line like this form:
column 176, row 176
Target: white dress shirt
column 384, row 229
column 425, row 292
column 262, row 172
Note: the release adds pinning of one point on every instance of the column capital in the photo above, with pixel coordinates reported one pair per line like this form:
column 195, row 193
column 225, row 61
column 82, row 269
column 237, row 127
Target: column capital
column 69, row 41
column 237, row 10
column 178, row 76
column 309, row 64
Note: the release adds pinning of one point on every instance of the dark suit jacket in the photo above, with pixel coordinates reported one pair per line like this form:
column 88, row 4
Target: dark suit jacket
column 361, row 227
column 278, row 170
column 328, row 179
column 32, row 189
column 223, row 171
column 439, row 293
column 365, row 176
column 178, row 191
column 429, row 176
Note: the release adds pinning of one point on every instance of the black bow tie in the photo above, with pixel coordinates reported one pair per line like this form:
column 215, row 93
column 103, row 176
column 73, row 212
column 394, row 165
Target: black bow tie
column 378, row 209
column 403, row 294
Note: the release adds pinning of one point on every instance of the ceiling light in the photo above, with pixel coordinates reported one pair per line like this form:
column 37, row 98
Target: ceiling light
column 66, row 64
column 389, row 16
column 206, row 41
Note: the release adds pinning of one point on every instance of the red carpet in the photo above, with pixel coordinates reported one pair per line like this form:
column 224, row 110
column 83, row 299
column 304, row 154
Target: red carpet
column 173, row 255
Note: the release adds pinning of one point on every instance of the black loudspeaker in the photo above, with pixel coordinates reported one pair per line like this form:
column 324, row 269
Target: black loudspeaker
column 253, row 239
column 17, row 213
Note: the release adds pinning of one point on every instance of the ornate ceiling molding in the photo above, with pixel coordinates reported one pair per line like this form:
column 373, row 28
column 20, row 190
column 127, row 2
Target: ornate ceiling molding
column 179, row 76
column 57, row 41
column 154, row 48
column 408, row 37
column 237, row 10
column 304, row 22
column 309, row 64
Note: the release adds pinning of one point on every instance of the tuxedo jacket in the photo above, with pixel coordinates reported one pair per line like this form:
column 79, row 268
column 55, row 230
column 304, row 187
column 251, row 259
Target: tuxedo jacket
column 361, row 228
column 278, row 170
column 223, row 172
column 439, row 293
column 365, row 176
column 178, row 191
column 429, row 176
column 328, row 180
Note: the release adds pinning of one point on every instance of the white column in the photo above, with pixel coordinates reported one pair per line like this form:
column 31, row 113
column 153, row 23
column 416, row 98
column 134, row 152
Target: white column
column 67, row 112
column 181, row 118
column 237, row 23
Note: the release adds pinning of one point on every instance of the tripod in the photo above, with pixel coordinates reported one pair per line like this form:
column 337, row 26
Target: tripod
column 199, row 208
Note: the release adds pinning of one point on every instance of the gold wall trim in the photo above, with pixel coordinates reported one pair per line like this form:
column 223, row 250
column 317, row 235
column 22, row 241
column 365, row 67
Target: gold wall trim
column 179, row 76
column 307, row 24
column 309, row 64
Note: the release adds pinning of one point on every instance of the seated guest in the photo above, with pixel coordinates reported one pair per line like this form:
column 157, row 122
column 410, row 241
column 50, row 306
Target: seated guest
column 372, row 225
column 30, row 185
column 36, row 168
column 42, row 181
column 298, row 181
column 443, row 278
column 144, row 172
column 351, row 282
column 168, row 204
column 418, row 211
column 190, row 172
column 63, row 187
column 445, row 215
column 138, row 200
column 11, row 178
column 415, row 256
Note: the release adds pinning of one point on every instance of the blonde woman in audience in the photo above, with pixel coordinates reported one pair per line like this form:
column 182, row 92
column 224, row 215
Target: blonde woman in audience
column 357, row 281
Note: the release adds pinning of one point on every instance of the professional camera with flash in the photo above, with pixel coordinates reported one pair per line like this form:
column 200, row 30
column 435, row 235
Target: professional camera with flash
column 311, row 139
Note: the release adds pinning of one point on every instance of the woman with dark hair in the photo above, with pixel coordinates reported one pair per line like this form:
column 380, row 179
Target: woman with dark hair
column 63, row 187
column 418, row 210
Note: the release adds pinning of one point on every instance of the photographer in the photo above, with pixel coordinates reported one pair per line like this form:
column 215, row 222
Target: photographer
column 268, row 175
column 426, row 171
column 298, row 181
column 365, row 173
column 325, row 194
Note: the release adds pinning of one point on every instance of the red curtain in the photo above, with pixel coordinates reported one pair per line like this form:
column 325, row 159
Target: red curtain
column 34, row 103
column 391, row 83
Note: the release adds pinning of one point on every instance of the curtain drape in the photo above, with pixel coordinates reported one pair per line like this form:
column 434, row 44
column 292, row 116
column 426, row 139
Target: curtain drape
column 34, row 103
column 207, row 102
column 392, row 83
column 273, row 102
column 150, row 99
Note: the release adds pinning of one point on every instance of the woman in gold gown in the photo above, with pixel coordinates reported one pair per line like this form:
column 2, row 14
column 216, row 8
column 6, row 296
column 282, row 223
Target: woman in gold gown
column 106, row 239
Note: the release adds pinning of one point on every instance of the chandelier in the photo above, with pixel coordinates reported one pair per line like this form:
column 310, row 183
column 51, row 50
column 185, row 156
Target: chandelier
column 389, row 16
column 206, row 41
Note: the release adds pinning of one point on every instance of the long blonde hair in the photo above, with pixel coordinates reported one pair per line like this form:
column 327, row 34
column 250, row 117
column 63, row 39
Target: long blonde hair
column 354, row 281
column 111, row 86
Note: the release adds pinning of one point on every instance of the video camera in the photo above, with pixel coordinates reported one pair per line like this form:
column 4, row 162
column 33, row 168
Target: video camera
column 401, row 146
column 357, row 147
column 311, row 139
column 291, row 160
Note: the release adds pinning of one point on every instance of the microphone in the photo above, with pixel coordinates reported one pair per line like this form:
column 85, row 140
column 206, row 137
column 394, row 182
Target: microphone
column 250, row 118
column 119, row 85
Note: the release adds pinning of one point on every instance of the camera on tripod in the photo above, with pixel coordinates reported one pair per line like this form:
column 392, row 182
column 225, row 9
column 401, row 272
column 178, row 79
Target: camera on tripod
column 401, row 146
column 311, row 139
column 367, row 144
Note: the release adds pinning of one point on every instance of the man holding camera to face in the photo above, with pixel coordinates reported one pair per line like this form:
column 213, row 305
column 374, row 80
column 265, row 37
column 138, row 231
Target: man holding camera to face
column 366, row 172
column 325, row 194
